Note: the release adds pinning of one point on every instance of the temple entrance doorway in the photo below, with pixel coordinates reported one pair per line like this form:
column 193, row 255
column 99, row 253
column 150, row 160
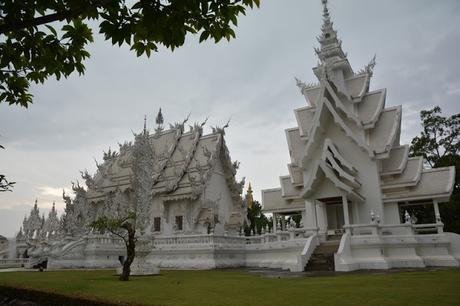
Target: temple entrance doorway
column 333, row 216
column 335, row 219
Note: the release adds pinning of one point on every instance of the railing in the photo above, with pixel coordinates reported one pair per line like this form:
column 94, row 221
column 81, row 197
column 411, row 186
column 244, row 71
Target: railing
column 227, row 240
column 13, row 263
column 432, row 228
column 164, row 242
column 104, row 240
column 393, row 229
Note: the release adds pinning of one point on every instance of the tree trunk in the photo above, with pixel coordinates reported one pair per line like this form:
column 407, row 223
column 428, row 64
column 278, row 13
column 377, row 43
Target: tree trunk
column 131, row 253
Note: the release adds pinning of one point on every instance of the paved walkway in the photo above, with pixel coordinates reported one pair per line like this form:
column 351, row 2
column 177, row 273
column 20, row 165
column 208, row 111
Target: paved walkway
column 278, row 273
column 17, row 270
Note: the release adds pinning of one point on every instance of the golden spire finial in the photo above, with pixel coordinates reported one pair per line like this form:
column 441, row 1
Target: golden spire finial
column 249, row 198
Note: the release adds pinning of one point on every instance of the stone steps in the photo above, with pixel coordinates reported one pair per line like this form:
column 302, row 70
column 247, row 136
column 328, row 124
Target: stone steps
column 322, row 258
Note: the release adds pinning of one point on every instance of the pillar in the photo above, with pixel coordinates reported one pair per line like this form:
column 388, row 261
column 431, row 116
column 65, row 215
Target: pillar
column 275, row 218
column 437, row 215
column 346, row 214
column 310, row 215
column 321, row 216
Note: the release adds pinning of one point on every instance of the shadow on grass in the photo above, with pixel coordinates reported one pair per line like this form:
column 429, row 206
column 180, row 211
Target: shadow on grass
column 27, row 297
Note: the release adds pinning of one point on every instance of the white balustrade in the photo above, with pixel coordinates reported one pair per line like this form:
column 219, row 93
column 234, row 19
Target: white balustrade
column 394, row 229
column 13, row 263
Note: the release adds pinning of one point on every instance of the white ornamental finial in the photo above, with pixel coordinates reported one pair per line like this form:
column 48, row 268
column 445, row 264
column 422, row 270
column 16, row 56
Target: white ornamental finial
column 372, row 216
column 407, row 217
column 325, row 9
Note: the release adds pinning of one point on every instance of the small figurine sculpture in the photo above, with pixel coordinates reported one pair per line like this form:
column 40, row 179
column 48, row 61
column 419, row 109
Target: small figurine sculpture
column 407, row 217
column 372, row 217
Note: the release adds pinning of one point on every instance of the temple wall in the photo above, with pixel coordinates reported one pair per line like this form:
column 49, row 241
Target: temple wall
column 217, row 192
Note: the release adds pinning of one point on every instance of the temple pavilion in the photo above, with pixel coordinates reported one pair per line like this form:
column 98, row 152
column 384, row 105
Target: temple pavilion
column 348, row 167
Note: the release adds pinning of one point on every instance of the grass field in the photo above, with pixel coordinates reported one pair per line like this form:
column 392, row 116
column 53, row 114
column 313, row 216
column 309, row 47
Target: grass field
column 230, row 287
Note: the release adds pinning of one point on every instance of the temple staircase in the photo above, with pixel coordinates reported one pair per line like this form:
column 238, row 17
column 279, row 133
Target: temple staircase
column 322, row 258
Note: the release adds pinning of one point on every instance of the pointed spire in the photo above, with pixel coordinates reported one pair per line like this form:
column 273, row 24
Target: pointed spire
column 249, row 197
column 334, row 65
column 35, row 205
column 159, row 121
column 328, row 39
column 145, row 124
column 326, row 16
column 54, row 206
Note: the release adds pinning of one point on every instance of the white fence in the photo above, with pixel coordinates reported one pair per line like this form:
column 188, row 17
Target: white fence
column 394, row 229
column 13, row 263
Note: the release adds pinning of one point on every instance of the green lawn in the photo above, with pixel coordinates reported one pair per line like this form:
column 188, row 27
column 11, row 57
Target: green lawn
column 229, row 287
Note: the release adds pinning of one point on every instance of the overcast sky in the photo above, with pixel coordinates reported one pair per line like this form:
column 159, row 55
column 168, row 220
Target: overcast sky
column 250, row 79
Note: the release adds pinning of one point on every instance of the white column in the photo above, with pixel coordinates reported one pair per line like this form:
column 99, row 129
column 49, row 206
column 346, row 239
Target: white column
column 437, row 217
column 283, row 223
column 321, row 215
column 310, row 215
column 346, row 214
column 436, row 210
column 275, row 216
column 304, row 218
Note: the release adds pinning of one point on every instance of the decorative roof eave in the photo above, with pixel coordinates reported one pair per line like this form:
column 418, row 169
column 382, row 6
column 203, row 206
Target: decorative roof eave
column 311, row 92
column 380, row 106
column 408, row 183
column 178, row 134
column 291, row 138
column 296, row 175
column 343, row 174
column 311, row 143
column 304, row 131
column 383, row 151
column 441, row 195
column 329, row 145
column 402, row 165
column 364, row 89
column 279, row 204
column 284, row 209
column 368, row 71
column 94, row 196
column 197, row 132
column 284, row 181
column 342, row 107
column 185, row 196
column 406, row 196
column 230, row 168
column 327, row 171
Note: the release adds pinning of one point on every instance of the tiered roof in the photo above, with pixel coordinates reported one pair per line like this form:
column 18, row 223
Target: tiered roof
column 342, row 96
column 183, row 162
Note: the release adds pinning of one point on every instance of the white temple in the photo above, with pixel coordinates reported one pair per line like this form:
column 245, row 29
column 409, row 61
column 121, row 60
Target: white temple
column 349, row 177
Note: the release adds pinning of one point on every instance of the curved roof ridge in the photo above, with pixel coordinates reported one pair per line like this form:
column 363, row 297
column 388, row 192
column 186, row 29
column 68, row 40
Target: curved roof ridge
column 384, row 149
column 380, row 106
column 341, row 106
column 188, row 158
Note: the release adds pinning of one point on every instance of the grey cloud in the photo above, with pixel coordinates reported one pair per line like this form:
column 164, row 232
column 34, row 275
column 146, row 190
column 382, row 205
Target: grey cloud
column 249, row 79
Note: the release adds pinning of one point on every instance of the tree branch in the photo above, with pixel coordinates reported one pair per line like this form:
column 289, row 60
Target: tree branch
column 59, row 16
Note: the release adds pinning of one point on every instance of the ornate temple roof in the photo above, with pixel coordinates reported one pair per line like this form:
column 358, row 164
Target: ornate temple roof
column 343, row 98
column 181, row 160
